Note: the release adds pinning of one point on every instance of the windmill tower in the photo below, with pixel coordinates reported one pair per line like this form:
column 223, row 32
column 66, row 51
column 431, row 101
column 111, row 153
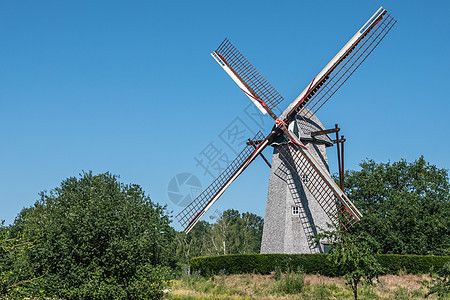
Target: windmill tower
column 292, row 214
column 293, row 154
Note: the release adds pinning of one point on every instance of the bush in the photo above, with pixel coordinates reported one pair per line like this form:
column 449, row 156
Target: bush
column 415, row 264
column 439, row 283
column 98, row 238
column 310, row 263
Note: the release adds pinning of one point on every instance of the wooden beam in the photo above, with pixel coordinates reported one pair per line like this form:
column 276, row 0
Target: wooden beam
column 326, row 131
column 250, row 142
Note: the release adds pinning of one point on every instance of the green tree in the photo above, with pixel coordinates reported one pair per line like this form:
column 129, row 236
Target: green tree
column 405, row 206
column 99, row 239
column 196, row 243
column 251, row 233
column 230, row 233
column 235, row 233
column 12, row 250
column 353, row 255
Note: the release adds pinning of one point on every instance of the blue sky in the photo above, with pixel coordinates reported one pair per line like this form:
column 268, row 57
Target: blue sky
column 129, row 87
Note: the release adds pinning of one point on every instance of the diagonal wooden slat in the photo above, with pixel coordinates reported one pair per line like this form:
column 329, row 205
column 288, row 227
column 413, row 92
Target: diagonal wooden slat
column 256, row 84
column 333, row 203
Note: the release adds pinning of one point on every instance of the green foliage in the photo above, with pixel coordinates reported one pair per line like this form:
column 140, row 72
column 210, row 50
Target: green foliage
column 98, row 239
column 233, row 233
column 353, row 255
column 310, row 263
column 260, row 263
column 277, row 273
column 415, row 264
column 12, row 250
column 230, row 233
column 439, row 283
column 196, row 243
column 406, row 206
column 293, row 283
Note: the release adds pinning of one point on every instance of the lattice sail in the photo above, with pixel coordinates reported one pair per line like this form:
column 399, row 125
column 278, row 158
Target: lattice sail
column 246, row 76
column 338, row 208
column 189, row 216
column 343, row 65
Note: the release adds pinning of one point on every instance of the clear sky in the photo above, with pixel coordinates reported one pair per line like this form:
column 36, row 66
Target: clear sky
column 130, row 87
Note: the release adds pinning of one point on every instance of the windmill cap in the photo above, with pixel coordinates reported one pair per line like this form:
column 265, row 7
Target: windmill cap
column 305, row 126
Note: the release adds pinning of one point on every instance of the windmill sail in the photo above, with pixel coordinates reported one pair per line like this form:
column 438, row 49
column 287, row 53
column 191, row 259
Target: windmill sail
column 189, row 216
column 342, row 66
column 257, row 88
column 333, row 201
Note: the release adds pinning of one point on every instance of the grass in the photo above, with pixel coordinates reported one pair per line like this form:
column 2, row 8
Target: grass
column 294, row 285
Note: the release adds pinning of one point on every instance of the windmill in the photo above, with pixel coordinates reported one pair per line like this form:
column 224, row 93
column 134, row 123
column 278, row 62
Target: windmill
column 307, row 172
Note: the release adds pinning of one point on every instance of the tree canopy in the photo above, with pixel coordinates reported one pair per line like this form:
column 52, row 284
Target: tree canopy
column 405, row 206
column 98, row 238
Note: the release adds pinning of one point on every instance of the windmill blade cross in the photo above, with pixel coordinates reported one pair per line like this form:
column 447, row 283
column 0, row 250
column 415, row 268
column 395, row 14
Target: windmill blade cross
column 265, row 97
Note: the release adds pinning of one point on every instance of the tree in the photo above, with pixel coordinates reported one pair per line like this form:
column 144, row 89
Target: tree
column 405, row 206
column 230, row 233
column 11, row 252
column 196, row 243
column 233, row 233
column 99, row 239
column 353, row 255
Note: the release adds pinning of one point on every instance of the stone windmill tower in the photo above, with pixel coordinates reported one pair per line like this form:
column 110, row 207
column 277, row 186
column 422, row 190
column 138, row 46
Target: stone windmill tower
column 299, row 176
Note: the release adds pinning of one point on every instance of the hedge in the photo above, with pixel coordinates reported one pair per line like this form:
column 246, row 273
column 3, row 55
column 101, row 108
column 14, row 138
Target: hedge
column 310, row 263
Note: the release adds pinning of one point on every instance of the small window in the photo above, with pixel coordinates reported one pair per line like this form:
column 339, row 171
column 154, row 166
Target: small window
column 295, row 210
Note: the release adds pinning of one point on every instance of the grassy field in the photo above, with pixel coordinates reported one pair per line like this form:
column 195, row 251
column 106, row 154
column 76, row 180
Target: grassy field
column 251, row 286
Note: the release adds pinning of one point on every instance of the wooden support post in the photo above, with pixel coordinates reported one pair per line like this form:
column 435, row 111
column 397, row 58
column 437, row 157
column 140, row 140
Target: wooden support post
column 342, row 163
column 339, row 155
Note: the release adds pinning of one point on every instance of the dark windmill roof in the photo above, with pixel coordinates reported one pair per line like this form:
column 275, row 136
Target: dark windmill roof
column 308, row 125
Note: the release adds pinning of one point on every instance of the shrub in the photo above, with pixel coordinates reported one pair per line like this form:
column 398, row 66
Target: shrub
column 440, row 282
column 310, row 263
